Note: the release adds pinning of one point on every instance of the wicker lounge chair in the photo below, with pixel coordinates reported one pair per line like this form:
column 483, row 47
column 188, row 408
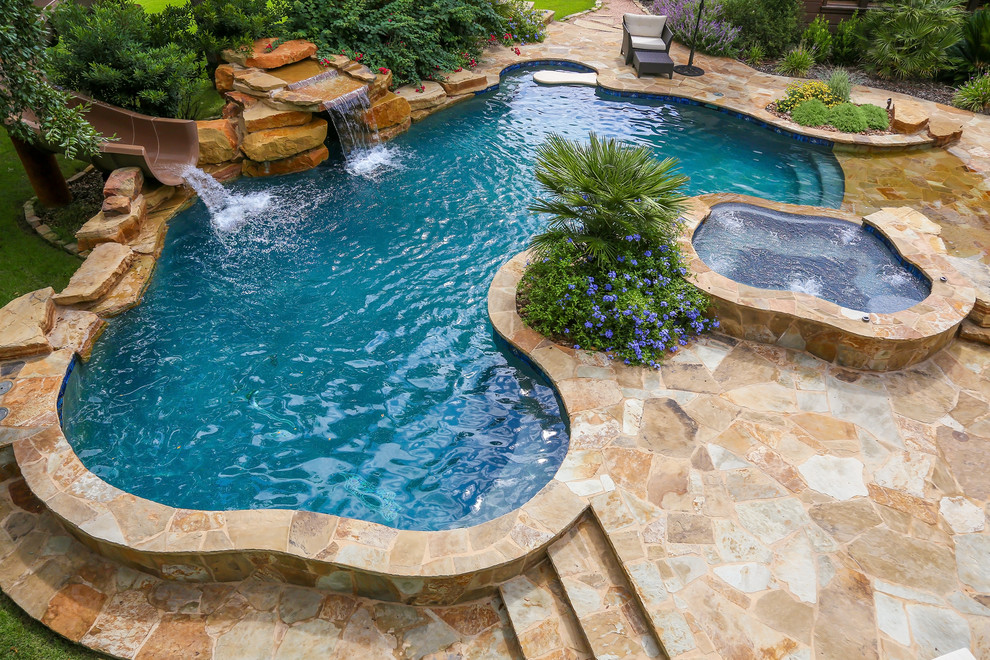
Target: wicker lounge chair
column 641, row 32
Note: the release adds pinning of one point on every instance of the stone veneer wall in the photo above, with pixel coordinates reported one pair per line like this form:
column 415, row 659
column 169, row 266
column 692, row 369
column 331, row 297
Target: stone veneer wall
column 801, row 321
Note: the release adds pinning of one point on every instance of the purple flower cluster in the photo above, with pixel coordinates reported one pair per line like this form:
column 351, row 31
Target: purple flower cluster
column 716, row 36
column 636, row 311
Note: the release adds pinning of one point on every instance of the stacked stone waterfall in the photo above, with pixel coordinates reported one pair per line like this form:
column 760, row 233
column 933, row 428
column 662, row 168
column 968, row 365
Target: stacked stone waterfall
column 274, row 93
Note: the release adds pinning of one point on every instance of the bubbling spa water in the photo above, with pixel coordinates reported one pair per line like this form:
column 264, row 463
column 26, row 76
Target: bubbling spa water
column 321, row 341
column 824, row 257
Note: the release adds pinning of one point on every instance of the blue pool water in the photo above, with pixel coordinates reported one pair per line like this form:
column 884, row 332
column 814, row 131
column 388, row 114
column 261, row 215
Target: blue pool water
column 832, row 259
column 334, row 354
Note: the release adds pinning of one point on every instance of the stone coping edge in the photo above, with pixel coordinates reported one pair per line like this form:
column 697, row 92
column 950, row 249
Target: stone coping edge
column 300, row 547
column 825, row 329
column 834, row 140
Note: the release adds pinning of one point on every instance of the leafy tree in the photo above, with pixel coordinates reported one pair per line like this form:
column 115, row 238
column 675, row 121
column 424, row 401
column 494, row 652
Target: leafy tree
column 602, row 193
column 25, row 94
column 910, row 38
column 109, row 51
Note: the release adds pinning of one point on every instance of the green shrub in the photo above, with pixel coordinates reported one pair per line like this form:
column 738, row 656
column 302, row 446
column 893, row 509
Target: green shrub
column 875, row 116
column 971, row 54
column 222, row 24
column 974, row 95
column 416, row 40
column 796, row 63
column 602, row 193
column 817, row 39
column 108, row 51
column 846, row 45
column 838, row 81
column 773, row 24
column 848, row 118
column 797, row 92
column 754, row 55
column 811, row 113
column 910, row 38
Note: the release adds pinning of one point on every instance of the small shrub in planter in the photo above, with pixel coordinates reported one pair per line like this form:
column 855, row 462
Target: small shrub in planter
column 876, row 117
column 839, row 83
column 796, row 63
column 608, row 274
column 974, row 95
column 815, row 89
column 811, row 113
column 848, row 118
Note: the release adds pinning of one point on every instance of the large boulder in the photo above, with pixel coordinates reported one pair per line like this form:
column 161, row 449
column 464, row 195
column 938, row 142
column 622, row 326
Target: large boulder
column 909, row 117
column 253, row 81
column 125, row 181
column 262, row 116
column 218, row 141
column 264, row 54
column 118, row 229
column 102, row 269
column 464, row 81
column 432, row 95
column 279, row 143
column 223, row 78
column 307, row 160
column 944, row 131
column 390, row 110
column 25, row 323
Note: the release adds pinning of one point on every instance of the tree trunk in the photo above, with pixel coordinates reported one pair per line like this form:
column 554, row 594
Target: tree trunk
column 44, row 174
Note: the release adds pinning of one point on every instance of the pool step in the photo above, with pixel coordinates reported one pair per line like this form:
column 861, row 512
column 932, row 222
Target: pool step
column 544, row 623
column 831, row 179
column 600, row 595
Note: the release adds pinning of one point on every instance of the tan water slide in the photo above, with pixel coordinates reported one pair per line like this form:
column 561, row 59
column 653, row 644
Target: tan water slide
column 161, row 147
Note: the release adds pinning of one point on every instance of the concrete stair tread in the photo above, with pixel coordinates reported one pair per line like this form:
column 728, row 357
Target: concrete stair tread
column 544, row 623
column 600, row 595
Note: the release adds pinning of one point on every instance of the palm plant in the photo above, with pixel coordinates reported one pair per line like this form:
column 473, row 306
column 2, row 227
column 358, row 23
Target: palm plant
column 603, row 193
column 910, row 38
column 971, row 54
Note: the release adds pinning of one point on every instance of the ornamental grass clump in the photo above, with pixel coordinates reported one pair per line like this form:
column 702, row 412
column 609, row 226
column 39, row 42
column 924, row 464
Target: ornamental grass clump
column 974, row 95
column 607, row 273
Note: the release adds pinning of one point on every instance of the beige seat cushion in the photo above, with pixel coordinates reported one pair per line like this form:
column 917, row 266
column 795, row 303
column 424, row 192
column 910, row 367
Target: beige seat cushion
column 647, row 43
column 644, row 26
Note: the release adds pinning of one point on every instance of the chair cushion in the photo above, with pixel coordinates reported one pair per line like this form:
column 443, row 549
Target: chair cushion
column 644, row 26
column 647, row 43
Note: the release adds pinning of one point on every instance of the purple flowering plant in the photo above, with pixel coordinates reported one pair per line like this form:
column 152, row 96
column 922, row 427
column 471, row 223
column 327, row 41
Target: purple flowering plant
column 716, row 35
column 607, row 274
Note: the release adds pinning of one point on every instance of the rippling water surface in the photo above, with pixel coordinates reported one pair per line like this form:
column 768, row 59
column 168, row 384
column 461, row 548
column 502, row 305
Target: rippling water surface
column 335, row 354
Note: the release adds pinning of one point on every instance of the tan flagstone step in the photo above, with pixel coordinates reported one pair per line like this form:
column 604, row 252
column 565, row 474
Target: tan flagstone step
column 126, row 613
column 599, row 593
column 545, row 625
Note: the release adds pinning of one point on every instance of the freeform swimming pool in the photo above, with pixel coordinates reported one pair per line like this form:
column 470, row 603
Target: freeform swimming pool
column 334, row 355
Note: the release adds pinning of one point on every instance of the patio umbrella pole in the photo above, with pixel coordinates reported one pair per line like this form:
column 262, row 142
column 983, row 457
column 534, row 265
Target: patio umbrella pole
column 689, row 69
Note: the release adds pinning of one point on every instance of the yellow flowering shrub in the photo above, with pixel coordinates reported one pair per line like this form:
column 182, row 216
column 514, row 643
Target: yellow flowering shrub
column 798, row 92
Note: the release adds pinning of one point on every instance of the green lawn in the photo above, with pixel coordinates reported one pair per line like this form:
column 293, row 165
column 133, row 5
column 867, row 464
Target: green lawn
column 155, row 6
column 26, row 261
column 564, row 8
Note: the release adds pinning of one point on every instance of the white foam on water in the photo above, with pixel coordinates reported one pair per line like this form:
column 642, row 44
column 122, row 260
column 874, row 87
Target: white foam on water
column 370, row 163
column 809, row 285
column 849, row 234
column 731, row 221
column 894, row 276
column 228, row 211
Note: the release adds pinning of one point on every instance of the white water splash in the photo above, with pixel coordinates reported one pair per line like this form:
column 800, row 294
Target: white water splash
column 849, row 234
column 894, row 276
column 809, row 285
column 370, row 163
column 731, row 221
column 228, row 211
column 365, row 155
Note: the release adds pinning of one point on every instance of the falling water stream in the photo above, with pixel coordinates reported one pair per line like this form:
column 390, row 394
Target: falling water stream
column 227, row 210
column 363, row 150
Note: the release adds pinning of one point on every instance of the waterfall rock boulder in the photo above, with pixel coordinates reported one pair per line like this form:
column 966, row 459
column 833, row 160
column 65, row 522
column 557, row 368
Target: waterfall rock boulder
column 387, row 111
column 380, row 85
column 264, row 54
column 25, row 323
column 252, row 81
column 432, row 95
column 359, row 71
column 125, row 181
column 241, row 99
column 116, row 205
column 298, row 163
column 118, row 229
column 223, row 78
column 102, row 269
column 463, row 82
column 218, row 141
column 391, row 132
column 312, row 97
column 278, row 143
column 223, row 172
column 262, row 116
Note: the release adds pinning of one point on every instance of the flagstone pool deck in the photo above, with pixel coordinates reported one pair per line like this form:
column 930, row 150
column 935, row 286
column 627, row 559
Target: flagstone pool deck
column 744, row 501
